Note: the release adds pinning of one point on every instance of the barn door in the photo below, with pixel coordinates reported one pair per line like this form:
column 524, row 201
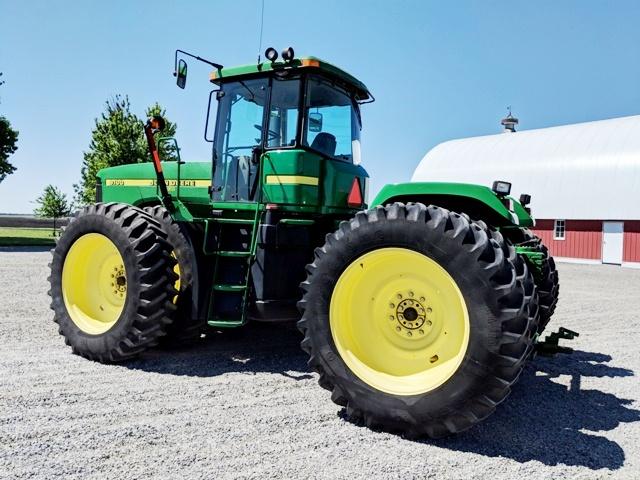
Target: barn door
column 612, row 242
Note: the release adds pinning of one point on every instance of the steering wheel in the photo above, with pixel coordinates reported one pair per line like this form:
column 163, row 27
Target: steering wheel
column 270, row 133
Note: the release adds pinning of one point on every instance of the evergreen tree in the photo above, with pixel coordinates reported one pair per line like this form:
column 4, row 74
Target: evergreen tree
column 52, row 204
column 118, row 139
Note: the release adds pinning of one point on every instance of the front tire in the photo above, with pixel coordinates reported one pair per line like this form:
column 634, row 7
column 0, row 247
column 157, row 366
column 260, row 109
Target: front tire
column 112, row 282
column 372, row 356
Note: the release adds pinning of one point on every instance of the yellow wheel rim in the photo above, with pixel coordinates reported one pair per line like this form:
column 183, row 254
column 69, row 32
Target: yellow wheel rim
column 399, row 321
column 94, row 283
column 176, row 284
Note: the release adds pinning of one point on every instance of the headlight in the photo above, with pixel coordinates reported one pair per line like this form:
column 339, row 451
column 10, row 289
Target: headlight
column 501, row 188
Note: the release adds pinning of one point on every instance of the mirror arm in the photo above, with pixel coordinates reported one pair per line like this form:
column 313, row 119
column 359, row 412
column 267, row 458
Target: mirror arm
column 175, row 61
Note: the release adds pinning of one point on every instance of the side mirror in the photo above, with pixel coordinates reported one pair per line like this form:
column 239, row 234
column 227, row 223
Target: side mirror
column 181, row 74
column 315, row 122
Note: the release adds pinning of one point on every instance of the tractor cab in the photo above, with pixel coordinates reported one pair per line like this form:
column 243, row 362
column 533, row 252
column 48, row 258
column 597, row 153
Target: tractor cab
column 287, row 133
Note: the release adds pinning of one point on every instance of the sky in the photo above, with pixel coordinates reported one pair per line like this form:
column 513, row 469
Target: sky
column 439, row 70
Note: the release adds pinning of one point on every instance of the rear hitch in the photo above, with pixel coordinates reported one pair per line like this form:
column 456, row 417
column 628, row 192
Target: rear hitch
column 550, row 346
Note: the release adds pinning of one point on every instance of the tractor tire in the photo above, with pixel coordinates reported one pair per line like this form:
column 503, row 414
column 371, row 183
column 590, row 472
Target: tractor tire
column 184, row 330
column 548, row 281
column 525, row 278
column 416, row 319
column 112, row 282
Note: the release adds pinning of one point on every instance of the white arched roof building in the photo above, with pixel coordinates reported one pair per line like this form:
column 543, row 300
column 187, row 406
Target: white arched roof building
column 584, row 182
column 582, row 171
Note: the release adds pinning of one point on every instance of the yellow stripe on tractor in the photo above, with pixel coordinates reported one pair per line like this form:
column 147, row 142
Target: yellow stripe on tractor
column 291, row 180
column 151, row 182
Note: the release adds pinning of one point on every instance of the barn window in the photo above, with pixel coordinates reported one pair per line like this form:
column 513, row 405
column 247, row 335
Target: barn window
column 558, row 230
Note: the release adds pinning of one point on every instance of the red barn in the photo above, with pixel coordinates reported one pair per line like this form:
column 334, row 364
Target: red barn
column 584, row 180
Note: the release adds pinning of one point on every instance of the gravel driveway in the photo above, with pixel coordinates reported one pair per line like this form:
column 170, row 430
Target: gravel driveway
column 244, row 405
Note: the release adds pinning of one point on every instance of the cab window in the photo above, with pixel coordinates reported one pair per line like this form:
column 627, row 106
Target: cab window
column 331, row 124
column 283, row 113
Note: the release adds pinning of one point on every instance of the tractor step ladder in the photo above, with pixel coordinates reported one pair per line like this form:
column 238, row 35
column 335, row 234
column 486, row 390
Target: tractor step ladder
column 236, row 292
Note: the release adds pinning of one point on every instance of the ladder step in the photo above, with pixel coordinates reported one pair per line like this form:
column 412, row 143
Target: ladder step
column 238, row 221
column 220, row 322
column 231, row 253
column 220, row 287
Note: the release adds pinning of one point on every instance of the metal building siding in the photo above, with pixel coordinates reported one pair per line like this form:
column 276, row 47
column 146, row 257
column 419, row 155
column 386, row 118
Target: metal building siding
column 583, row 238
column 631, row 252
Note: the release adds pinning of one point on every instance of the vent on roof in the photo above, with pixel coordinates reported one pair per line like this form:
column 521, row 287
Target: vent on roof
column 509, row 122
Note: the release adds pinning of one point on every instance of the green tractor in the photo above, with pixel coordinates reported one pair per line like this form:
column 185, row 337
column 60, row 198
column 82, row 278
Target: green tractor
column 419, row 310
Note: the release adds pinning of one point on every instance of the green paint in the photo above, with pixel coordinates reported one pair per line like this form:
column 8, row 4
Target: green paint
column 525, row 219
column 296, row 221
column 445, row 194
column 335, row 178
column 148, row 194
column 535, row 260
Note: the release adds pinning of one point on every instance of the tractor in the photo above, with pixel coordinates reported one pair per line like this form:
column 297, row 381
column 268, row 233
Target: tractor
column 418, row 310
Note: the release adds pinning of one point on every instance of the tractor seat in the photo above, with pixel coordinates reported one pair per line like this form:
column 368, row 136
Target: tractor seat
column 325, row 143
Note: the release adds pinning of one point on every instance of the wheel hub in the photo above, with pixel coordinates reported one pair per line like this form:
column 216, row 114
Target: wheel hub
column 119, row 281
column 410, row 314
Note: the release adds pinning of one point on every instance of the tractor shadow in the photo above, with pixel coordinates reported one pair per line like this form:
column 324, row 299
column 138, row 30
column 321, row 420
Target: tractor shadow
column 542, row 420
column 257, row 347
column 551, row 423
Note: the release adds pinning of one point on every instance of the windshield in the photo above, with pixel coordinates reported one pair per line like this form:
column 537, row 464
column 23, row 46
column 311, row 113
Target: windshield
column 283, row 113
column 332, row 124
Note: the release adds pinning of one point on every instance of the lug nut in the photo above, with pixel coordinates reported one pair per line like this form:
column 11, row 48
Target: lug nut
column 429, row 323
column 398, row 329
column 422, row 299
column 391, row 305
column 391, row 317
column 429, row 310
column 411, row 294
column 409, row 334
column 421, row 332
column 399, row 296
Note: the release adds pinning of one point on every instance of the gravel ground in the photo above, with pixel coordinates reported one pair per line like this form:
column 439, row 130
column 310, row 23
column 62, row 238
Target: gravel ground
column 244, row 405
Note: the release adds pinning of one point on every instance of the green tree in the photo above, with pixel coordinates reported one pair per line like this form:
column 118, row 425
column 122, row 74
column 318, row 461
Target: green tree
column 118, row 139
column 52, row 204
column 8, row 145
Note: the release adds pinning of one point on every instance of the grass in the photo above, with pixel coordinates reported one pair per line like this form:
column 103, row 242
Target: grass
column 10, row 236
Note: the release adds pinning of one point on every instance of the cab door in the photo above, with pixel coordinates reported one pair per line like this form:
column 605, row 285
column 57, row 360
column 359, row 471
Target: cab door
column 239, row 139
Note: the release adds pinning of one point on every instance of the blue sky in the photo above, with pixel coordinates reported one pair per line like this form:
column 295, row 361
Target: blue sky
column 439, row 70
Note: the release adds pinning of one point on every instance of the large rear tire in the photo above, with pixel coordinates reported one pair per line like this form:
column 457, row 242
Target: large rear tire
column 185, row 329
column 415, row 319
column 112, row 282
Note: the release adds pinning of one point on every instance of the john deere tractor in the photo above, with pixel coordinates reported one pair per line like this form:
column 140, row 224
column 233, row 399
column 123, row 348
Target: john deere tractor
column 419, row 309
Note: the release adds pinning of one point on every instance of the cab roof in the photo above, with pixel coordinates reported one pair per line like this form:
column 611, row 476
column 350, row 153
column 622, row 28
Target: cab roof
column 305, row 63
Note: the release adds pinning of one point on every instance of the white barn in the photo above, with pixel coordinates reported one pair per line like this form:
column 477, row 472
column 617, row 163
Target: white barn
column 584, row 180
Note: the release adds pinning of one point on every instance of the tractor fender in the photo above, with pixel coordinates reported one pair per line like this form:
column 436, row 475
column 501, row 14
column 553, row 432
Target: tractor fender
column 477, row 201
